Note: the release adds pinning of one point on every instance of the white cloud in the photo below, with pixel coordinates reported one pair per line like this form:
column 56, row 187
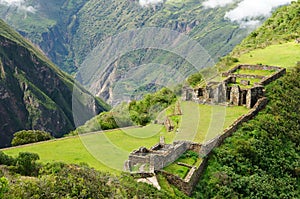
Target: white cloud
column 247, row 11
column 20, row 4
column 146, row 3
column 250, row 9
column 217, row 3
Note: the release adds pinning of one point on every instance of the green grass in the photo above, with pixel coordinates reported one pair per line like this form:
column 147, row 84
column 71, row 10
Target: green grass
column 252, row 82
column 189, row 160
column 254, row 72
column 103, row 151
column 180, row 171
column 108, row 151
column 283, row 55
column 69, row 150
column 201, row 123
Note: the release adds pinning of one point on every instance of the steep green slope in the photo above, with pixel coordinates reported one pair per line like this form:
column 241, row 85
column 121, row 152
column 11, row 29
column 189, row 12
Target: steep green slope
column 50, row 26
column 261, row 160
column 35, row 94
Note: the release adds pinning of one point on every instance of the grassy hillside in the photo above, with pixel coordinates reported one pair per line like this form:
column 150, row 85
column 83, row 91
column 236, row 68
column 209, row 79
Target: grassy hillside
column 110, row 149
column 35, row 94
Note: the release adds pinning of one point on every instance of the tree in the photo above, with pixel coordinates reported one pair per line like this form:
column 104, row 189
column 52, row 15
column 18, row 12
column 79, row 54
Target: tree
column 26, row 164
column 30, row 136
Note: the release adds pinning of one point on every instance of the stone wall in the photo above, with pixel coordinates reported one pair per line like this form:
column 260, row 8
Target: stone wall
column 157, row 158
column 216, row 92
column 253, row 94
column 235, row 95
column 187, row 184
column 246, row 76
column 217, row 141
column 259, row 67
column 277, row 75
column 159, row 161
column 250, row 67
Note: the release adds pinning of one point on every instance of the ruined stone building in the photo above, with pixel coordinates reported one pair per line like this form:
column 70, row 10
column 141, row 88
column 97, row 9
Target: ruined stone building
column 232, row 92
column 157, row 157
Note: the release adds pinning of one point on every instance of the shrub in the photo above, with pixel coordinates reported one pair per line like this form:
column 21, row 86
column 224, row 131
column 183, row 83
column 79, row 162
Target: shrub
column 30, row 136
column 26, row 164
column 6, row 160
column 3, row 186
column 194, row 79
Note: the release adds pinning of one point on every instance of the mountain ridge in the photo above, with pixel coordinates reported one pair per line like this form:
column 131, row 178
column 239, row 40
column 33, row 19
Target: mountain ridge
column 35, row 94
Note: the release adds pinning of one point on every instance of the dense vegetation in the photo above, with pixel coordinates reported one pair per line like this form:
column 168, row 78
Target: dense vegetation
column 59, row 180
column 261, row 160
column 30, row 136
column 137, row 112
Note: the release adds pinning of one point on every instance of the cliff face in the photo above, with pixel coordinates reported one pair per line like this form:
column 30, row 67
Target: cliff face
column 34, row 94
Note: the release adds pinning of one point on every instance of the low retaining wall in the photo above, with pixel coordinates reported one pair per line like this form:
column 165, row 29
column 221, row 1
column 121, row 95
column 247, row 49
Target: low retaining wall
column 250, row 67
column 247, row 76
column 187, row 184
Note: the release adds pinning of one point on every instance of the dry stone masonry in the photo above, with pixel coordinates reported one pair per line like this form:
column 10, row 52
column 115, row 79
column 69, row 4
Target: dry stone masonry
column 232, row 92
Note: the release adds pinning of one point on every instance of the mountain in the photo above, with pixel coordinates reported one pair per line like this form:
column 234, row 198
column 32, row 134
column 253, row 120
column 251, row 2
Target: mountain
column 67, row 31
column 35, row 94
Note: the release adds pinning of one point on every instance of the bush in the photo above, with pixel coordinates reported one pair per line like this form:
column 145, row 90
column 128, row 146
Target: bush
column 26, row 164
column 194, row 79
column 3, row 186
column 6, row 160
column 30, row 136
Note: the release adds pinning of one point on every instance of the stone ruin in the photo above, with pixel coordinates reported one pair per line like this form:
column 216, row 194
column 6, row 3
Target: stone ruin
column 157, row 157
column 228, row 92
column 149, row 162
